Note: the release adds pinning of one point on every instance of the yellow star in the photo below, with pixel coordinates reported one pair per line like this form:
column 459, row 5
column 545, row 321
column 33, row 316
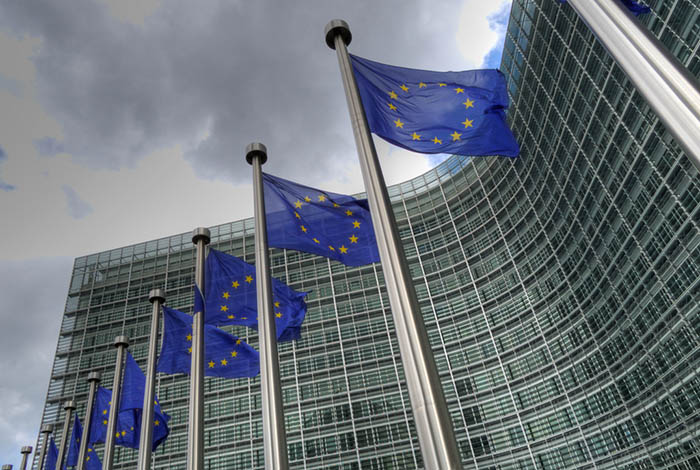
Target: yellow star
column 224, row 308
column 249, row 279
column 437, row 141
column 399, row 123
column 356, row 224
column 231, row 317
column 404, row 87
column 189, row 350
column 189, row 337
column 224, row 362
column 123, row 433
column 307, row 199
column 104, row 422
column 331, row 248
column 244, row 318
column 415, row 136
column 393, row 95
column 131, row 429
column 88, row 457
column 277, row 304
column 303, row 229
column 467, row 123
column 226, row 295
column 156, row 422
column 117, row 433
column 348, row 212
column 422, row 85
column 235, row 284
column 89, row 450
column 296, row 214
column 392, row 107
column 211, row 364
column 336, row 204
column 459, row 90
column 469, row 103
column 104, row 412
column 298, row 204
column 316, row 240
column 442, row 84
column 238, row 341
column 455, row 136
column 353, row 239
column 278, row 314
column 234, row 353
column 343, row 250
column 321, row 197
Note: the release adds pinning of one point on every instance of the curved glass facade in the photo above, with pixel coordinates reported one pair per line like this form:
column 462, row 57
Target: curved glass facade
column 560, row 292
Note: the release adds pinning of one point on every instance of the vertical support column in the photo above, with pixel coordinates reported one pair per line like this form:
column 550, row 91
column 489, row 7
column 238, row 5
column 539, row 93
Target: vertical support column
column 68, row 406
column 433, row 422
column 46, row 430
column 667, row 86
column 26, row 450
column 157, row 298
column 195, row 438
column 94, row 380
column 274, row 435
column 121, row 343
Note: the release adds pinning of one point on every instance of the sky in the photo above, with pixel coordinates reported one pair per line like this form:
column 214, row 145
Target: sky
column 123, row 121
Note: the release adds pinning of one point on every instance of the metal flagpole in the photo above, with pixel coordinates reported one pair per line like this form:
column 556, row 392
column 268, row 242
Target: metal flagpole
column 668, row 87
column 94, row 380
column 46, row 430
column 26, row 450
column 433, row 423
column 274, row 436
column 157, row 298
column 195, row 438
column 7, row 466
column 69, row 406
column 121, row 343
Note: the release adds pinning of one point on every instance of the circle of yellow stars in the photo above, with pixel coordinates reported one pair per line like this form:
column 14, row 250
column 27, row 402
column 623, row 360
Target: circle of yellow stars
column 342, row 249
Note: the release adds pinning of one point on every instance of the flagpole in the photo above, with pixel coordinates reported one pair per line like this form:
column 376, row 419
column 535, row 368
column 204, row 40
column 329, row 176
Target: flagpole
column 26, row 450
column 121, row 343
column 157, row 298
column 94, row 380
column 7, row 466
column 195, row 438
column 46, row 430
column 667, row 86
column 274, row 436
column 433, row 424
column 68, row 406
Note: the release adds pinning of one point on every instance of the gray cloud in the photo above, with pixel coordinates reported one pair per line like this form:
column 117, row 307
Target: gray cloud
column 48, row 146
column 4, row 186
column 215, row 78
column 77, row 207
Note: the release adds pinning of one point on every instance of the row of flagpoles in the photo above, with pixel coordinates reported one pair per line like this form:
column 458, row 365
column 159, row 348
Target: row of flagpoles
column 667, row 86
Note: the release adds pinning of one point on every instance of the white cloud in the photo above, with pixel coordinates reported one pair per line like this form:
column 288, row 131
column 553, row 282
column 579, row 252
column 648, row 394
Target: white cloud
column 475, row 38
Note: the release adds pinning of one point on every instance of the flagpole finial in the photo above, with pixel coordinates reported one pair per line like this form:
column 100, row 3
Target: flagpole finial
column 156, row 295
column 121, row 341
column 69, row 405
column 94, row 376
column 337, row 27
column 7, row 466
column 26, row 450
column 201, row 233
column 256, row 149
column 47, row 428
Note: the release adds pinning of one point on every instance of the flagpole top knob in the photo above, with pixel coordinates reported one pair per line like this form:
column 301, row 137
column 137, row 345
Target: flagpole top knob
column 121, row 341
column 156, row 295
column 7, row 466
column 256, row 149
column 26, row 450
column 47, row 429
column 201, row 233
column 337, row 27
column 69, row 405
column 94, row 376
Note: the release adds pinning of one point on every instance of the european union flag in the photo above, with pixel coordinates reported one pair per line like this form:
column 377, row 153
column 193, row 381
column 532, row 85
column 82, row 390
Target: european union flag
column 127, row 433
column 231, row 297
column 333, row 225
column 635, row 7
column 436, row 112
column 92, row 460
column 133, row 390
column 51, row 456
column 74, row 444
column 225, row 355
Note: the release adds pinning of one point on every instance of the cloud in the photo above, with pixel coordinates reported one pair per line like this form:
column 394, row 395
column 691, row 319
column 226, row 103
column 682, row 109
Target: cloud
column 48, row 146
column 77, row 207
column 4, row 186
column 480, row 31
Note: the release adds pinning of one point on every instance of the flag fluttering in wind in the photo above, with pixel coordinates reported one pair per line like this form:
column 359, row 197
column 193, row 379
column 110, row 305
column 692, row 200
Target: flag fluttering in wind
column 74, row 444
column 51, row 456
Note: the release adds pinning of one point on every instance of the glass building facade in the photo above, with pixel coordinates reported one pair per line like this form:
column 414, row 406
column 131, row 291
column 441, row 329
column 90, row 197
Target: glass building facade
column 560, row 291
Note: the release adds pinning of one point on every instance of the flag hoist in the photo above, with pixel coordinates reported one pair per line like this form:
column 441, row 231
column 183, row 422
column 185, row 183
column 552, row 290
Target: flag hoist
column 274, row 437
column 94, row 381
column 433, row 424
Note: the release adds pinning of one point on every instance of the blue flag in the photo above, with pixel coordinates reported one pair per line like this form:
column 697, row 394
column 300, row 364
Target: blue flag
column 436, row 112
column 127, row 434
column 332, row 225
column 74, row 445
column 225, row 355
column 92, row 460
column 133, row 390
column 231, row 297
column 51, row 456
column 635, row 7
